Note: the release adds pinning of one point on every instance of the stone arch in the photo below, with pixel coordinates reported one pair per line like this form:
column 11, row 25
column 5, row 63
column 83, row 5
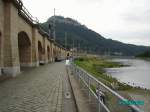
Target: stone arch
column 0, row 52
column 48, row 53
column 51, row 52
column 0, row 43
column 40, row 51
column 24, row 48
column 55, row 54
column 60, row 52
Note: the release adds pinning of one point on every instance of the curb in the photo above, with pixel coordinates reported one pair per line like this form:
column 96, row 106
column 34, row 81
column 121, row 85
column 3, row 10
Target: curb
column 77, row 107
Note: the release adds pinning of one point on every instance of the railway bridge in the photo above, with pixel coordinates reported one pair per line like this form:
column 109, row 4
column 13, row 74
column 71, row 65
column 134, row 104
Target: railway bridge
column 22, row 42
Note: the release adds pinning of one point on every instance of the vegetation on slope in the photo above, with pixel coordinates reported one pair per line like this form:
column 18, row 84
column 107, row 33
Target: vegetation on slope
column 144, row 55
column 88, row 39
column 96, row 66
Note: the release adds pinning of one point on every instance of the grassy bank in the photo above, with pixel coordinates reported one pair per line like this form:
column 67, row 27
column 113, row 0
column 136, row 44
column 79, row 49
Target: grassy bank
column 96, row 66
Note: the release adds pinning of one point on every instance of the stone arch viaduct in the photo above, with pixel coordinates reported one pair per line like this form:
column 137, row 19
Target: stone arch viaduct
column 22, row 42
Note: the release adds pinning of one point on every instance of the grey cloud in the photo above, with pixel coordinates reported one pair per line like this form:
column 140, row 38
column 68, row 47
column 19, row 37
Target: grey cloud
column 137, row 38
column 142, row 14
column 138, row 17
column 89, row 1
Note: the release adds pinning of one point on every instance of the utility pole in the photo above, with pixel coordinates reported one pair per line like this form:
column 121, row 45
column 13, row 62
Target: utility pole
column 54, row 26
column 49, row 30
column 78, row 47
column 73, row 44
column 73, row 47
column 86, row 49
column 66, row 40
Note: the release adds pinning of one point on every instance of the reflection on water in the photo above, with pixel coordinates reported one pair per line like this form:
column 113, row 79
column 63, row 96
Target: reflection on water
column 137, row 74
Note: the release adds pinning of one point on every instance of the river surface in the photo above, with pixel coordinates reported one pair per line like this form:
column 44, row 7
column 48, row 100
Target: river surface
column 136, row 74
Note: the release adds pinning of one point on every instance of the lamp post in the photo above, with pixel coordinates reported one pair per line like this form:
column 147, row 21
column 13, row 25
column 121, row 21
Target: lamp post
column 54, row 27
column 50, row 30
column 66, row 40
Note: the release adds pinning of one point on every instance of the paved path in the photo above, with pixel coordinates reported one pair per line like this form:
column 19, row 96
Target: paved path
column 85, row 103
column 40, row 89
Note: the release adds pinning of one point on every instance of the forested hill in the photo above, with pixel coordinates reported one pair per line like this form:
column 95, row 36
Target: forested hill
column 144, row 55
column 89, row 40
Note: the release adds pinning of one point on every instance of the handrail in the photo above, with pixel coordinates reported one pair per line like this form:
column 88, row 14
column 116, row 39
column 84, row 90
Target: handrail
column 135, row 108
column 95, row 95
column 34, row 20
column 26, row 13
column 19, row 2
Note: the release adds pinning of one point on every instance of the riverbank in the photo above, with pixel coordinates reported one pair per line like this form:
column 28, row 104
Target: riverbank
column 96, row 65
column 144, row 58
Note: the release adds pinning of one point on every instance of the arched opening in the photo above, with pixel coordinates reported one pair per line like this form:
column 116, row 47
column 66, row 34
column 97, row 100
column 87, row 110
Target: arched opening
column 48, row 53
column 24, row 47
column 51, row 52
column 0, row 46
column 0, row 54
column 55, row 54
column 40, row 52
column 59, row 53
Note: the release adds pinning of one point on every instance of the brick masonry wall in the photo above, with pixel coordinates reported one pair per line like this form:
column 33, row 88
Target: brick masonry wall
column 11, row 24
column 1, row 34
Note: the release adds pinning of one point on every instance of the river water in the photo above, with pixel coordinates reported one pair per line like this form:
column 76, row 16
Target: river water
column 136, row 74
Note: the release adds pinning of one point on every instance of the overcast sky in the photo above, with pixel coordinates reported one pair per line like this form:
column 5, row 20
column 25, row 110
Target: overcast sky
column 124, row 20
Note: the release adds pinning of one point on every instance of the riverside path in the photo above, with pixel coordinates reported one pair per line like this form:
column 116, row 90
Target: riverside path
column 40, row 89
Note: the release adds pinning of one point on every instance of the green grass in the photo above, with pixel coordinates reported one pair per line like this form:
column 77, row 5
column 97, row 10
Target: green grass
column 95, row 66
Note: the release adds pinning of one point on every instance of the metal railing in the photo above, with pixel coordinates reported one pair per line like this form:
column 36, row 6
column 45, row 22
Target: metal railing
column 112, row 100
column 34, row 20
column 19, row 2
column 26, row 13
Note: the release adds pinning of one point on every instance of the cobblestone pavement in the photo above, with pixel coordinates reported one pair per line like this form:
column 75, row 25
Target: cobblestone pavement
column 34, row 90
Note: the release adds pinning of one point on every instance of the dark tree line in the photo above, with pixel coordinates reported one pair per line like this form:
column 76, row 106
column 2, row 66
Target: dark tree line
column 88, row 39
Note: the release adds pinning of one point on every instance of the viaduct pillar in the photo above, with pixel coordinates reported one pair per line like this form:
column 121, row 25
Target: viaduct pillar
column 11, row 60
column 35, row 58
column 1, row 34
